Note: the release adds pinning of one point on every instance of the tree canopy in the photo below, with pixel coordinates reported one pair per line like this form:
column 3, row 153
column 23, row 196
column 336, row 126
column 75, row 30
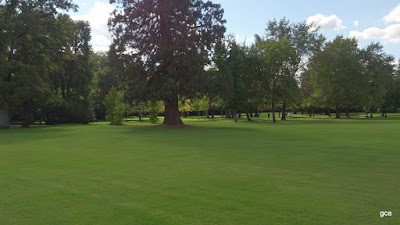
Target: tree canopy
column 163, row 47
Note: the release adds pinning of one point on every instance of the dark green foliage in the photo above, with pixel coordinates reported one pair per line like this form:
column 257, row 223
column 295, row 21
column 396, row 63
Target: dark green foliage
column 75, row 76
column 338, row 76
column 105, row 77
column 379, row 69
column 276, row 61
column 153, row 111
column 306, row 42
column 115, row 107
column 44, row 62
column 230, row 61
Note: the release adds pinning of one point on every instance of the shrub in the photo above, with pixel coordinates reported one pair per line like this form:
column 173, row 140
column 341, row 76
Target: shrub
column 115, row 107
column 154, row 109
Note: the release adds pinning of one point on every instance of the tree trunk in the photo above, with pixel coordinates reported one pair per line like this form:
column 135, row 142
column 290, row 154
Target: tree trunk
column 4, row 118
column 4, row 114
column 347, row 113
column 248, row 117
column 273, row 112
column 337, row 112
column 172, row 115
column 366, row 112
column 284, row 111
column 372, row 112
column 28, row 114
column 207, row 114
column 41, row 118
column 383, row 113
column 227, row 113
column 236, row 115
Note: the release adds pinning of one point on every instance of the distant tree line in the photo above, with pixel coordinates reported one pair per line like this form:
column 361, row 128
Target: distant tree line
column 291, row 66
column 45, row 72
column 180, row 65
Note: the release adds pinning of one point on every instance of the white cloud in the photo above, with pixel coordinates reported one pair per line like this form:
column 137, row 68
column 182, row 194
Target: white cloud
column 393, row 16
column 98, row 18
column 388, row 34
column 356, row 23
column 326, row 22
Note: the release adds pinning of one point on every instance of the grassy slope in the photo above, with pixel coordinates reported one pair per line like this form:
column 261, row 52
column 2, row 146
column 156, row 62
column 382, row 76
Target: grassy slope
column 295, row 172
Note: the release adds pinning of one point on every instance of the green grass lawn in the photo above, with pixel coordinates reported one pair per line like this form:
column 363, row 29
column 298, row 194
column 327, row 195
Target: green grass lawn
column 302, row 171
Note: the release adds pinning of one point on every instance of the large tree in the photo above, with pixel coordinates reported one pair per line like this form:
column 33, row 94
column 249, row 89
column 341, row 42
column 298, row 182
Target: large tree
column 27, row 44
column 306, row 41
column 231, row 65
column 380, row 71
column 338, row 76
column 276, row 61
column 104, row 78
column 163, row 47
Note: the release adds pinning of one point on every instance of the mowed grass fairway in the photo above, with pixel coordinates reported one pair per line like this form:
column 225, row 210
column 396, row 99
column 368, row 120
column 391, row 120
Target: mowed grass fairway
column 303, row 171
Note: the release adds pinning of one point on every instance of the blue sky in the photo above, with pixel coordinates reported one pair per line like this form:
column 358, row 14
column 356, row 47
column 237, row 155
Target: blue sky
column 373, row 20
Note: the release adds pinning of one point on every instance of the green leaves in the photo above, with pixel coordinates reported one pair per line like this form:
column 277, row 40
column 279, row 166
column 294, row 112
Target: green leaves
column 165, row 45
column 115, row 107
column 36, row 53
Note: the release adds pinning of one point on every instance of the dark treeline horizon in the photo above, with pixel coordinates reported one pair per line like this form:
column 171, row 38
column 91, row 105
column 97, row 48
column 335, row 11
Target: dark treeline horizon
column 188, row 66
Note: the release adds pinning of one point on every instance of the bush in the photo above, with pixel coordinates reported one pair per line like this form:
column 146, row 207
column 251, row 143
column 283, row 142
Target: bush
column 153, row 111
column 115, row 107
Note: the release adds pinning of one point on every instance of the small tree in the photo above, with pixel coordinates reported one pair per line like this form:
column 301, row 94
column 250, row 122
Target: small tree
column 201, row 104
column 115, row 107
column 185, row 107
column 155, row 108
column 139, row 108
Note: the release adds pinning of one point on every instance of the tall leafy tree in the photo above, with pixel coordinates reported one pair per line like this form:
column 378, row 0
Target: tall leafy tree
column 163, row 47
column 380, row 71
column 238, row 92
column 306, row 42
column 27, row 43
column 276, row 60
column 105, row 76
column 338, row 75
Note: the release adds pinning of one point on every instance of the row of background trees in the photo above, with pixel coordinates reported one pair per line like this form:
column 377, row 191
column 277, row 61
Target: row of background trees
column 48, row 71
column 45, row 71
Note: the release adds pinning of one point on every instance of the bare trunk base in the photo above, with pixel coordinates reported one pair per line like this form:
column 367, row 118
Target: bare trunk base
column 4, row 118
column 273, row 113
column 236, row 115
column 372, row 112
column 28, row 114
column 172, row 116
column 283, row 111
column 337, row 112
column 248, row 117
